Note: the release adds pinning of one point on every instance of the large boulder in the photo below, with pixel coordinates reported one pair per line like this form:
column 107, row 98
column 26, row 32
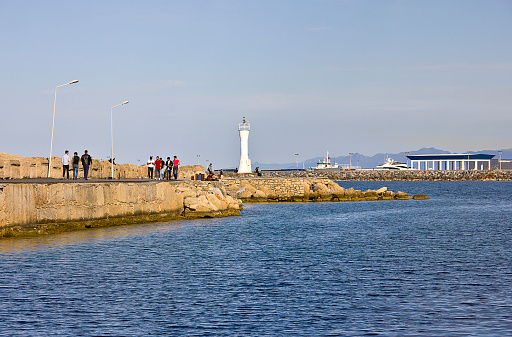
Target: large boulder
column 402, row 196
column 259, row 194
column 187, row 191
column 244, row 193
column 199, row 204
column 268, row 192
column 218, row 200
column 381, row 190
column 370, row 193
column 248, row 186
column 233, row 203
column 320, row 191
column 388, row 195
column 351, row 193
column 190, row 171
column 336, row 190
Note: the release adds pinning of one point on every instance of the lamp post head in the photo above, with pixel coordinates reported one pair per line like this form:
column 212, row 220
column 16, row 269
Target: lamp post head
column 73, row 82
column 125, row 102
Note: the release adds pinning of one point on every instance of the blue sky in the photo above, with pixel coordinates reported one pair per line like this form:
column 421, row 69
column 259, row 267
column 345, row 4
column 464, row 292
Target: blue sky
column 310, row 76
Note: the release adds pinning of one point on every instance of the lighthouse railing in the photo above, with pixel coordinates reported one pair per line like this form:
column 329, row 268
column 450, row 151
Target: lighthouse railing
column 244, row 126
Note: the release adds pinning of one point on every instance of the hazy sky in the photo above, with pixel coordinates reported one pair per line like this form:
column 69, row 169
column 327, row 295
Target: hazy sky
column 310, row 76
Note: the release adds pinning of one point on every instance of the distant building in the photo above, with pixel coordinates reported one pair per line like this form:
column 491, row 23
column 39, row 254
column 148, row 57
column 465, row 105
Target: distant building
column 497, row 164
column 461, row 161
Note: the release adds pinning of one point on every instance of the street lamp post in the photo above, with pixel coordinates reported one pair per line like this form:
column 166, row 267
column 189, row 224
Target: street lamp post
column 500, row 152
column 53, row 125
column 350, row 160
column 112, row 140
column 198, row 156
column 297, row 161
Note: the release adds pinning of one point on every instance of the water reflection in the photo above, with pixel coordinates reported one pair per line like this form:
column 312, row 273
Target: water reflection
column 440, row 267
column 17, row 245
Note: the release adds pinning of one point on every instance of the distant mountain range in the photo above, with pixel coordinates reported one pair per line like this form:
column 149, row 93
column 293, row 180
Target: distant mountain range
column 370, row 162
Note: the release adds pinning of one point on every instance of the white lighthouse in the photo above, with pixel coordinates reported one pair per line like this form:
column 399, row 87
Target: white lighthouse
column 245, row 162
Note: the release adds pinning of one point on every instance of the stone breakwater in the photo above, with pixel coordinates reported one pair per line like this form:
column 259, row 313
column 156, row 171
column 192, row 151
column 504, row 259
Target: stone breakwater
column 252, row 189
column 42, row 208
column 18, row 167
column 34, row 209
column 53, row 206
column 388, row 175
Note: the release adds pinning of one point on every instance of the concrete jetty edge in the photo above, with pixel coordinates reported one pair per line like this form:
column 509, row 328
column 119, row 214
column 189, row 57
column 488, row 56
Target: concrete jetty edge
column 41, row 208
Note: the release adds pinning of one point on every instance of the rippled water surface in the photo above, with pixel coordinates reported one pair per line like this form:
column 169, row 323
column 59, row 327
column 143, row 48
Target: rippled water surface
column 439, row 267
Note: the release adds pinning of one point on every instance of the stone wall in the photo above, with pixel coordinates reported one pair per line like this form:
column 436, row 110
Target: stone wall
column 256, row 189
column 53, row 207
column 390, row 175
column 416, row 175
column 276, row 188
column 39, row 208
column 18, row 167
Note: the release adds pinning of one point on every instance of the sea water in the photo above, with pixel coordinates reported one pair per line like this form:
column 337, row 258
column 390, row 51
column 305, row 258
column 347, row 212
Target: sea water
column 438, row 267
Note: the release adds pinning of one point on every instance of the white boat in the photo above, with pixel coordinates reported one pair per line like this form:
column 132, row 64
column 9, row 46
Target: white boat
column 390, row 164
column 326, row 165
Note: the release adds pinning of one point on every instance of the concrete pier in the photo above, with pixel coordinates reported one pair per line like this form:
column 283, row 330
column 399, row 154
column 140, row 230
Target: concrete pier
column 42, row 208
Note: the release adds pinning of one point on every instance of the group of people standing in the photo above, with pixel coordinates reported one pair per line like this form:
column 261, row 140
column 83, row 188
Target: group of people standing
column 75, row 161
column 163, row 169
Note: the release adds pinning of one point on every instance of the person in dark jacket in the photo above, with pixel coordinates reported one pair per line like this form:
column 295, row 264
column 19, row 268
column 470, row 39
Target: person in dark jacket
column 76, row 162
column 86, row 161
column 168, row 168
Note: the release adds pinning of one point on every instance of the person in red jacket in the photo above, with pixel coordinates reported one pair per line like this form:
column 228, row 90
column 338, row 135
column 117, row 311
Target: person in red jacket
column 175, row 164
column 158, row 167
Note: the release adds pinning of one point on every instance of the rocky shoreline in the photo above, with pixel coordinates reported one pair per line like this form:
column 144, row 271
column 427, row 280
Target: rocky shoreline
column 43, row 208
column 388, row 175
column 256, row 190
column 31, row 204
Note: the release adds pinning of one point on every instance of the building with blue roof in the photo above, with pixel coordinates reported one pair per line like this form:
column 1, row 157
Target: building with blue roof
column 460, row 161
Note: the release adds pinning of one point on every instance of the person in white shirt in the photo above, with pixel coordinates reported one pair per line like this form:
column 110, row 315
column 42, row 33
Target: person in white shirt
column 151, row 167
column 65, row 164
